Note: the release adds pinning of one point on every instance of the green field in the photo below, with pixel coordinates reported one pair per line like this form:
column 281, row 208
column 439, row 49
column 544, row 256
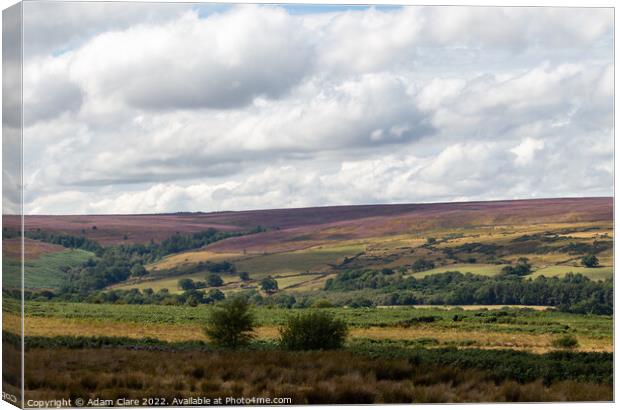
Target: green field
column 44, row 272
column 476, row 269
column 601, row 273
column 513, row 320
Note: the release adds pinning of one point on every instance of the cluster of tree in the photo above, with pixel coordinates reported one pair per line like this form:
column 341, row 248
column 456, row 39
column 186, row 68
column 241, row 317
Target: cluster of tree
column 117, row 263
column 183, row 242
column 67, row 241
column 576, row 248
column 9, row 233
column 354, row 279
column 572, row 293
column 213, row 280
column 521, row 268
column 147, row 296
column 422, row 265
column 113, row 266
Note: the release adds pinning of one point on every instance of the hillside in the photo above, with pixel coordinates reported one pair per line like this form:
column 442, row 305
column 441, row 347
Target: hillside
column 303, row 248
column 322, row 223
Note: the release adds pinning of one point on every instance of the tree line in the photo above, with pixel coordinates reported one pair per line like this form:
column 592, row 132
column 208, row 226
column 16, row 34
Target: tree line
column 117, row 263
column 572, row 293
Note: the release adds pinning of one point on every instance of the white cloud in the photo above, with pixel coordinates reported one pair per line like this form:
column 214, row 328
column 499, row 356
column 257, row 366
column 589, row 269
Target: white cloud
column 247, row 107
column 223, row 61
column 526, row 150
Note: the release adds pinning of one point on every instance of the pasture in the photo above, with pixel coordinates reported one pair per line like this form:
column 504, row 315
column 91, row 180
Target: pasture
column 46, row 271
column 519, row 328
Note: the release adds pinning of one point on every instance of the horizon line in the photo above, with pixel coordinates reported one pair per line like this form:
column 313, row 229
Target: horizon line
column 324, row 206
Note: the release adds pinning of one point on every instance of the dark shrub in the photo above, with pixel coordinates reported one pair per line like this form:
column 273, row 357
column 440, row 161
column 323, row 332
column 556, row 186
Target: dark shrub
column 269, row 285
column 187, row 284
column 322, row 303
column 215, row 295
column 422, row 265
column 361, row 302
column 566, row 342
column 231, row 324
column 315, row 330
column 214, row 280
column 589, row 261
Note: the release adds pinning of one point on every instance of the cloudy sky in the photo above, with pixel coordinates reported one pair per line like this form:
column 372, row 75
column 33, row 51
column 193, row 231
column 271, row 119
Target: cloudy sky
column 142, row 108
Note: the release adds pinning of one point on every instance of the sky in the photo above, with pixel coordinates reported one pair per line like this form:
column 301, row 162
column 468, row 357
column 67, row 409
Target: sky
column 151, row 108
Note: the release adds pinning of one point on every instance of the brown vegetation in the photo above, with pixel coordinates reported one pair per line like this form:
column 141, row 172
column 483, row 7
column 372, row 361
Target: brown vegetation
column 11, row 248
column 309, row 226
column 308, row 377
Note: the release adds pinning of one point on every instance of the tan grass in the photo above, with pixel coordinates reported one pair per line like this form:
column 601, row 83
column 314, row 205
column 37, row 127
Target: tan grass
column 306, row 377
column 538, row 343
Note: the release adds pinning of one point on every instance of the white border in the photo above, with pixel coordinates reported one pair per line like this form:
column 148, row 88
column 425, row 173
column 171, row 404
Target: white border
column 543, row 3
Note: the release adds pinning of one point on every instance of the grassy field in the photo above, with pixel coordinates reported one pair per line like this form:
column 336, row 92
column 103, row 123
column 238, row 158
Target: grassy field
column 601, row 273
column 508, row 328
column 476, row 269
column 45, row 271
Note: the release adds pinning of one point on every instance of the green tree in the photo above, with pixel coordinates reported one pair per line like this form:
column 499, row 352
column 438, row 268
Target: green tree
column 315, row 330
column 421, row 265
column 231, row 324
column 521, row 268
column 244, row 276
column 215, row 295
column 138, row 270
column 214, row 280
column 186, row 284
column 590, row 261
column 269, row 285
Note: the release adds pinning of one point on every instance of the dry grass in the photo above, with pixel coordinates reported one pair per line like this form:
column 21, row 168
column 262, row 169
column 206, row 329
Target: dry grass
column 537, row 343
column 191, row 258
column 307, row 378
column 172, row 283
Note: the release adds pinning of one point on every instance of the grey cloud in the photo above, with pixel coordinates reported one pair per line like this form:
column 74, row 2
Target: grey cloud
column 52, row 99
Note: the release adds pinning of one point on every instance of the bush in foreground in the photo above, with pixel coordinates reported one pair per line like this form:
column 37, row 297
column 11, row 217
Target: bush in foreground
column 566, row 342
column 231, row 324
column 315, row 330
